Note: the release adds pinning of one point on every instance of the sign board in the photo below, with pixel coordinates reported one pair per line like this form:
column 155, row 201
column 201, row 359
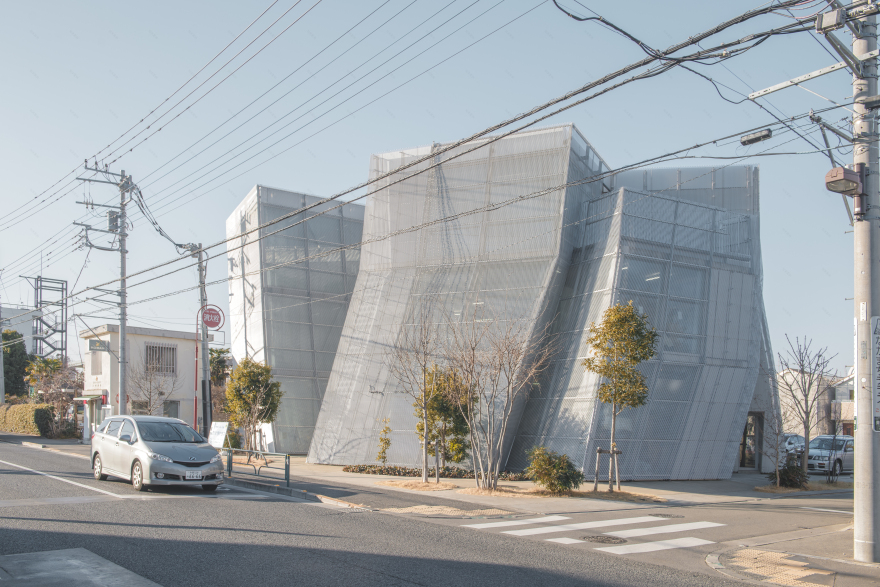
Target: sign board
column 267, row 437
column 212, row 317
column 99, row 345
column 217, row 434
column 875, row 373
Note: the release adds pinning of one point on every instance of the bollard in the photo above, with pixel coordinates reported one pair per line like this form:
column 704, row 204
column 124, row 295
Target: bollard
column 229, row 462
column 287, row 469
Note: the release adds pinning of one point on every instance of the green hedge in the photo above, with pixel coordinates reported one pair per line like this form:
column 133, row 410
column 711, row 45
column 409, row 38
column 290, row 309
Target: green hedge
column 26, row 418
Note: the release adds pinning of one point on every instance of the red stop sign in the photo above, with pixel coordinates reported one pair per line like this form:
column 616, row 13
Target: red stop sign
column 212, row 318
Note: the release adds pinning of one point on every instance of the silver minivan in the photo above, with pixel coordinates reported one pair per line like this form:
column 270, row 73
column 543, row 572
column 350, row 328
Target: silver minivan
column 149, row 450
column 832, row 453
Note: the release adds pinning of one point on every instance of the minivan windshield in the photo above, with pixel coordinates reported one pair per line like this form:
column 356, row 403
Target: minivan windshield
column 825, row 444
column 168, row 432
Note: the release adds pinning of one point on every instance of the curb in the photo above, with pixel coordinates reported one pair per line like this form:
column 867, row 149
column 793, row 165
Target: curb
column 48, row 448
column 291, row 492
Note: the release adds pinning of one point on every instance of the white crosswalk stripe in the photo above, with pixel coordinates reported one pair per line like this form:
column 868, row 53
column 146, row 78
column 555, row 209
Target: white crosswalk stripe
column 663, row 529
column 584, row 525
column 657, row 524
column 655, row 546
column 543, row 520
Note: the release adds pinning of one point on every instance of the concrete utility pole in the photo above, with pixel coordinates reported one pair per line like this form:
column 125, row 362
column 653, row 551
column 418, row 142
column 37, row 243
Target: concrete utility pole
column 866, row 473
column 207, row 407
column 116, row 225
column 2, row 352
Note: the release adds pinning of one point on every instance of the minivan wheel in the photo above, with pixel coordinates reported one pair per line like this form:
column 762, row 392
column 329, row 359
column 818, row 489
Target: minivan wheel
column 98, row 469
column 209, row 488
column 137, row 477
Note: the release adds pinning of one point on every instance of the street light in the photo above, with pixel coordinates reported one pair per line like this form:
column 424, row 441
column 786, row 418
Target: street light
column 849, row 183
column 756, row 137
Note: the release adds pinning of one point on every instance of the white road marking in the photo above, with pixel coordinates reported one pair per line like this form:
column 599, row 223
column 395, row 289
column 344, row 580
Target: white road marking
column 823, row 510
column 65, row 480
column 663, row 529
column 654, row 546
column 584, row 525
column 564, row 540
column 543, row 520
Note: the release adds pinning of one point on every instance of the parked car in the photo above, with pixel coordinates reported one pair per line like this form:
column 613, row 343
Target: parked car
column 149, row 450
column 793, row 443
column 832, row 453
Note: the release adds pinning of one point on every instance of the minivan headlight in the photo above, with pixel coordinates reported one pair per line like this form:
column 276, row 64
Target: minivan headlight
column 216, row 457
column 157, row 457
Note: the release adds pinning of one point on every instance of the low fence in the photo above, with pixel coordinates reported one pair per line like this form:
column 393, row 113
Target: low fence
column 258, row 461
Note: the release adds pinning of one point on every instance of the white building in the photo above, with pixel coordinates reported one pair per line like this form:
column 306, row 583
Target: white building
column 20, row 319
column 162, row 374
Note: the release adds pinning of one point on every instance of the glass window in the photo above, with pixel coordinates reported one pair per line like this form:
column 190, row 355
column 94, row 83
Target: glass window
column 171, row 410
column 103, row 426
column 96, row 362
column 688, row 282
column 139, row 408
column 168, row 432
column 643, row 275
column 684, row 317
column 825, row 444
column 113, row 427
column 127, row 428
column 161, row 357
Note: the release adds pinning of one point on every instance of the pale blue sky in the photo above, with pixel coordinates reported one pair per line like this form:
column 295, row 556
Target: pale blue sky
column 78, row 75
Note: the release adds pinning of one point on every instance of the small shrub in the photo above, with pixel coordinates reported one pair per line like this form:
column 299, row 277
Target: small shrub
column 3, row 409
column 384, row 443
column 28, row 419
column 554, row 472
column 790, row 475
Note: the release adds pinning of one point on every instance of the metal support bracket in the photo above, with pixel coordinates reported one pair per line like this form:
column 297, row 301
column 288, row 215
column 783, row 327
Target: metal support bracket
column 853, row 62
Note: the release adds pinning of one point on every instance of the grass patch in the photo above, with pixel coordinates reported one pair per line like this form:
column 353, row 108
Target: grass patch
column 509, row 491
column 818, row 486
column 418, row 485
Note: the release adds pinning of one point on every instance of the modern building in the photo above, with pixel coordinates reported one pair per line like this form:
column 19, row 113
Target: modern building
column 161, row 380
column 290, row 285
column 20, row 319
column 531, row 227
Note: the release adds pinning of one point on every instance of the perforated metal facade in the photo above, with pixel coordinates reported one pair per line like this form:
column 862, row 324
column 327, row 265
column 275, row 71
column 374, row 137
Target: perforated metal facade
column 293, row 308
column 683, row 244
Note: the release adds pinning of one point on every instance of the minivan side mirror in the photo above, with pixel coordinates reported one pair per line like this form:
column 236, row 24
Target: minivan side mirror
column 125, row 438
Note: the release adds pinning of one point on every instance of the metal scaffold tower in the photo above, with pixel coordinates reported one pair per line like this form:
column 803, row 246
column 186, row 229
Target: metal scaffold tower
column 50, row 324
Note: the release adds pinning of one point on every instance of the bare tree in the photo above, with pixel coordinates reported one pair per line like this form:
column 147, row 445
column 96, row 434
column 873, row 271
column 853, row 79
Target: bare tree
column 412, row 360
column 151, row 386
column 773, row 439
column 804, row 380
column 499, row 362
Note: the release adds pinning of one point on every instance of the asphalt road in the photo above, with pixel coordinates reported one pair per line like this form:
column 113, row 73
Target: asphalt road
column 185, row 537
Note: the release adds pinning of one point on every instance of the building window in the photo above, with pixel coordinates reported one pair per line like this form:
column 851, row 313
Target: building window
column 96, row 363
column 161, row 357
column 140, row 409
column 171, row 410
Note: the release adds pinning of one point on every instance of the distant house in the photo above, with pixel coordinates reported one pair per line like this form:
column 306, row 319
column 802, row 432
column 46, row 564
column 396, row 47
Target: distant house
column 834, row 404
column 162, row 377
column 20, row 319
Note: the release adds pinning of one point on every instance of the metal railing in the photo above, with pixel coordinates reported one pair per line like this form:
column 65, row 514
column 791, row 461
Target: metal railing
column 257, row 456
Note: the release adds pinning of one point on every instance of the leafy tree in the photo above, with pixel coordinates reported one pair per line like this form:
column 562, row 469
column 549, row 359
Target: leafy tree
column 622, row 341
column 15, row 363
column 219, row 366
column 554, row 472
column 252, row 397
column 446, row 423
column 41, row 373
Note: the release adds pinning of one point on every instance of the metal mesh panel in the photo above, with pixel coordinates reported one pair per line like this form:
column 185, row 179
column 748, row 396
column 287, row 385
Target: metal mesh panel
column 289, row 321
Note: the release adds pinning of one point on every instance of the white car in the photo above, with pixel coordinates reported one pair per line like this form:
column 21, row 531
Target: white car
column 832, row 453
column 149, row 450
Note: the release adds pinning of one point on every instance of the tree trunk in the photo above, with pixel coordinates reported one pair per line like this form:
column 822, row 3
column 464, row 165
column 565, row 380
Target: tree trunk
column 443, row 445
column 611, row 456
column 425, row 443
column 806, row 453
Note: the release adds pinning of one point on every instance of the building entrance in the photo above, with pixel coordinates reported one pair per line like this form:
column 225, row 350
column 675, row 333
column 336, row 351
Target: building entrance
column 749, row 448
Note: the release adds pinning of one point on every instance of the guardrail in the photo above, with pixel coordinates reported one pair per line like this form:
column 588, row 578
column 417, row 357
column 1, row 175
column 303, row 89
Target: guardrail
column 257, row 456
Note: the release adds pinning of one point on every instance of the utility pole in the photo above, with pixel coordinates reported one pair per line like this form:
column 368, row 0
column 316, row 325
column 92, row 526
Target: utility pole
column 207, row 407
column 866, row 473
column 116, row 225
column 2, row 352
column 861, row 182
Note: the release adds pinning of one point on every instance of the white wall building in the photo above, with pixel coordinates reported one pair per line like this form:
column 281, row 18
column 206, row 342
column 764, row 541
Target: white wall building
column 20, row 319
column 162, row 373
